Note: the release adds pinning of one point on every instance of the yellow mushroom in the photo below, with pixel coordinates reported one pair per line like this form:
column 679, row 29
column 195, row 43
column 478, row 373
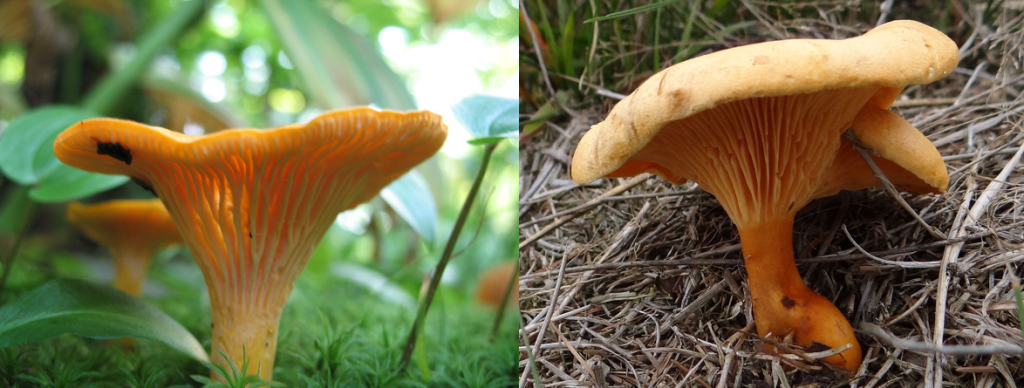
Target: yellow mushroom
column 252, row 205
column 493, row 283
column 760, row 127
column 134, row 230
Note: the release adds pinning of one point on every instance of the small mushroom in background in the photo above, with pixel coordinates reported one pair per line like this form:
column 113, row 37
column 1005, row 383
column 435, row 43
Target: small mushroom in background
column 760, row 127
column 493, row 283
column 252, row 205
column 134, row 230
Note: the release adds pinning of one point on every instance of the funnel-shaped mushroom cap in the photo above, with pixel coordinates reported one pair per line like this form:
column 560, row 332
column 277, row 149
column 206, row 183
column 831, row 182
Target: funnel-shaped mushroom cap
column 133, row 229
column 253, row 204
column 759, row 126
column 881, row 63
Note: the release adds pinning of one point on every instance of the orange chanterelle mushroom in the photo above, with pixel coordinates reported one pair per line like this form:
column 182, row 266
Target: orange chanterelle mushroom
column 134, row 230
column 760, row 127
column 251, row 205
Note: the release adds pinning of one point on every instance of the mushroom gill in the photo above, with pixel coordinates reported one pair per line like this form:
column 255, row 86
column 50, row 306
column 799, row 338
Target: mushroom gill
column 252, row 205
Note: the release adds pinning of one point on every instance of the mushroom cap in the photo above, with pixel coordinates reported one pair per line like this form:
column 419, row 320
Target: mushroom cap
column 252, row 204
column 907, row 158
column 380, row 146
column 141, row 223
column 886, row 59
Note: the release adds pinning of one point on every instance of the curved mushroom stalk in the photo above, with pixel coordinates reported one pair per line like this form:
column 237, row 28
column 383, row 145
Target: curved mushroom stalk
column 783, row 305
column 252, row 205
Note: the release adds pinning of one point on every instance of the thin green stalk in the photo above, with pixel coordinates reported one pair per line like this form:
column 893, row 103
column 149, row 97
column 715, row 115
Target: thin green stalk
column 18, row 210
column 1020, row 301
column 103, row 97
column 435, row 280
column 504, row 304
column 529, row 355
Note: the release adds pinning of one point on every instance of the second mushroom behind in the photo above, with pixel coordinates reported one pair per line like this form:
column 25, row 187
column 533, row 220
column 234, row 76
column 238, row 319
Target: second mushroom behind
column 760, row 127
column 252, row 205
column 134, row 230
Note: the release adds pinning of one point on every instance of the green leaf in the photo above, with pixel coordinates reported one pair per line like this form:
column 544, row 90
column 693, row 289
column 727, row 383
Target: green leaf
column 26, row 148
column 547, row 111
column 488, row 118
column 69, row 183
column 26, row 156
column 631, row 11
column 339, row 67
column 375, row 283
column 89, row 310
column 410, row 197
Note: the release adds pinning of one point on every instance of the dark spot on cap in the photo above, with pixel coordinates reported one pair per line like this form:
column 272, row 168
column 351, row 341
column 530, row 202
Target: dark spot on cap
column 788, row 303
column 114, row 150
column 817, row 347
column 250, row 234
column 144, row 184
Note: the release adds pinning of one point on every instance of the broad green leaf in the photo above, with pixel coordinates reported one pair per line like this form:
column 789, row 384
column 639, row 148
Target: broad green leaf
column 488, row 118
column 26, row 148
column 78, row 307
column 68, row 183
column 339, row 67
column 376, row 283
column 26, row 156
column 410, row 197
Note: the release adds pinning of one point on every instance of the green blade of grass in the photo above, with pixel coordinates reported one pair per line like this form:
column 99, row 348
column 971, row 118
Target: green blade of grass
column 631, row 11
column 103, row 97
column 1020, row 302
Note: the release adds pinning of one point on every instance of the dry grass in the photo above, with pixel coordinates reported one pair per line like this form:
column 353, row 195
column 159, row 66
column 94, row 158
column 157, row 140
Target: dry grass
column 635, row 282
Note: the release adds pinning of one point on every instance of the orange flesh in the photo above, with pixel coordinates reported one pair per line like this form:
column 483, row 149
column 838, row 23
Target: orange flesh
column 782, row 303
column 252, row 205
column 763, row 159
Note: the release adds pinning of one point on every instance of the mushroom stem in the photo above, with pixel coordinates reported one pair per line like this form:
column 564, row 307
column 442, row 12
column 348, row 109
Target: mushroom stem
column 783, row 305
column 252, row 329
column 130, row 268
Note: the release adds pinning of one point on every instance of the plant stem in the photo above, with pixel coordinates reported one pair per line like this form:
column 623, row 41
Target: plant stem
column 1020, row 300
column 18, row 210
column 504, row 305
column 103, row 97
column 435, row 280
